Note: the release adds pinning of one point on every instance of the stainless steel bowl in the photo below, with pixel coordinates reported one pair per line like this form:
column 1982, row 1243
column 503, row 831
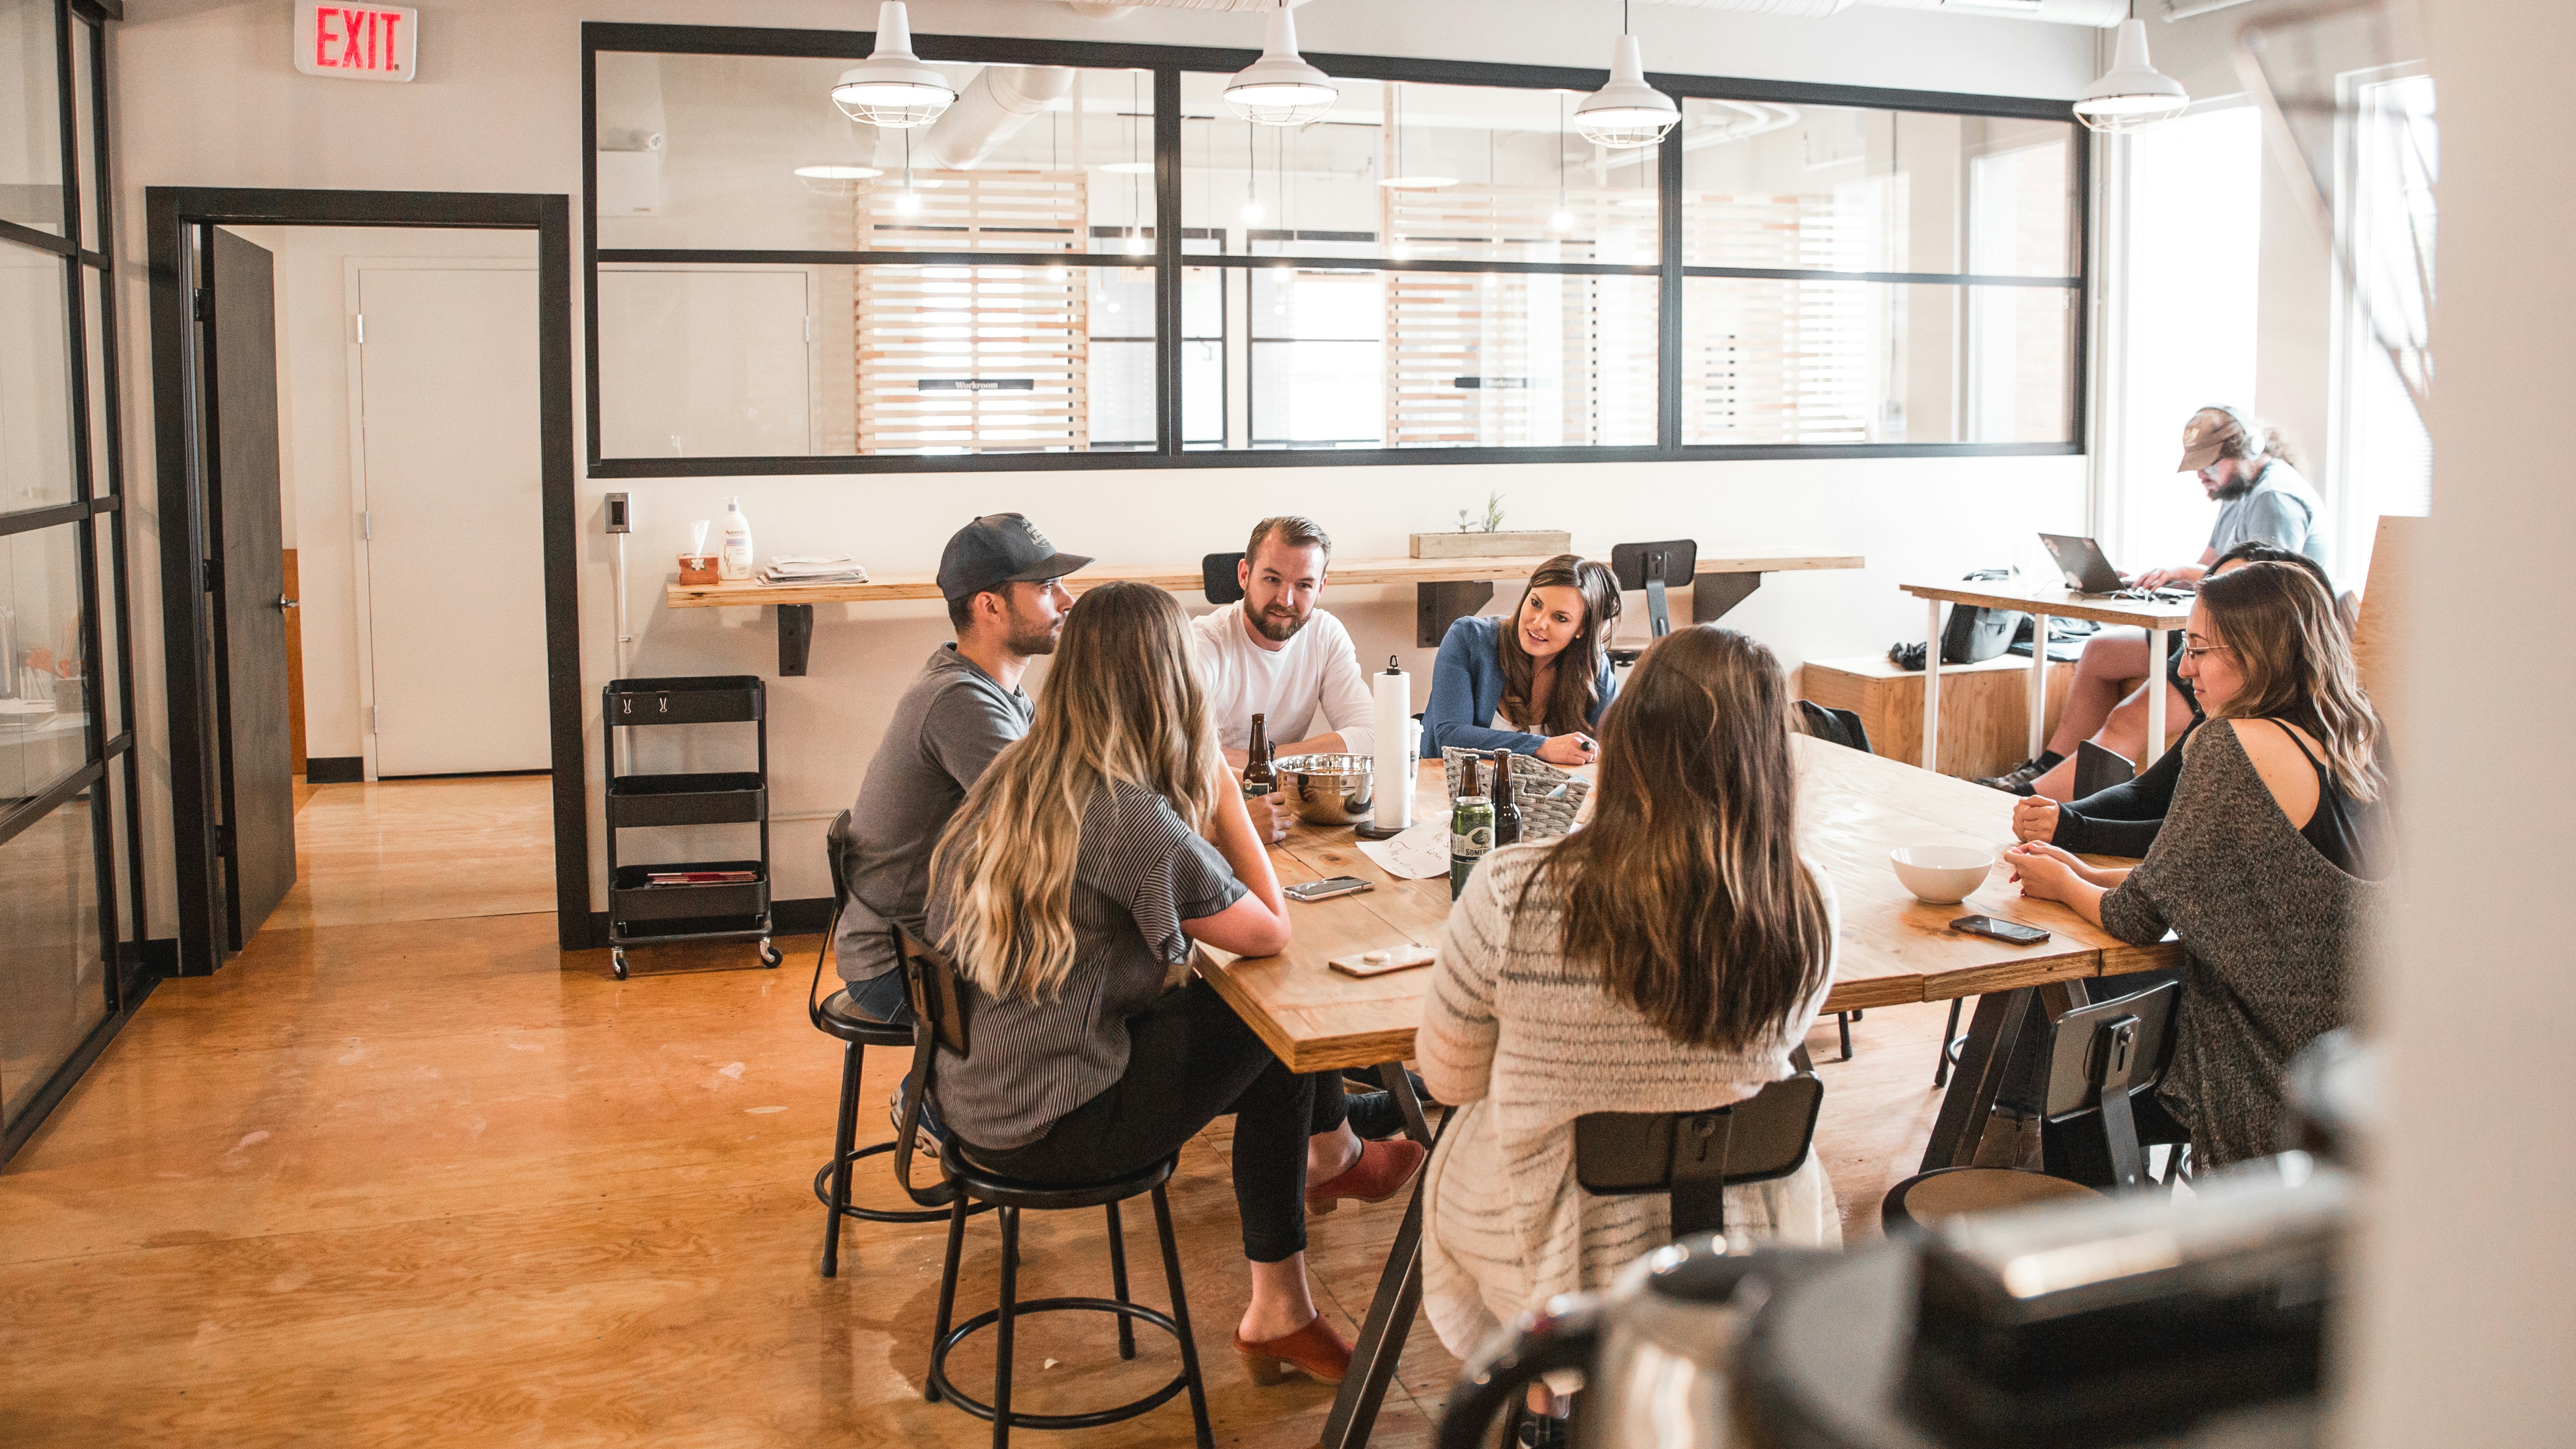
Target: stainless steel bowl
column 1328, row 789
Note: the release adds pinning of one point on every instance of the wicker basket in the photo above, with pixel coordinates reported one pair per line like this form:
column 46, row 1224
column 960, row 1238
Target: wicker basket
column 1549, row 797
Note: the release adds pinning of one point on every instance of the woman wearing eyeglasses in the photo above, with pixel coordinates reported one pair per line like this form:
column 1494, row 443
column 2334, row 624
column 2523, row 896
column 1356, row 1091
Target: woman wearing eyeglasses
column 2272, row 866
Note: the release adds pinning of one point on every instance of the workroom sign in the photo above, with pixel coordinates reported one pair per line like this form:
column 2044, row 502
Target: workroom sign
column 357, row 42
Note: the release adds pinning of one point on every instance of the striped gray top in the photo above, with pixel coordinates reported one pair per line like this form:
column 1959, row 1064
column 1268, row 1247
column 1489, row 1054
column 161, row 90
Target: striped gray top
column 1140, row 871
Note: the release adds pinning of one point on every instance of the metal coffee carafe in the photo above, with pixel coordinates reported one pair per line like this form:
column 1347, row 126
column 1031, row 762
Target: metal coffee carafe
column 1655, row 1351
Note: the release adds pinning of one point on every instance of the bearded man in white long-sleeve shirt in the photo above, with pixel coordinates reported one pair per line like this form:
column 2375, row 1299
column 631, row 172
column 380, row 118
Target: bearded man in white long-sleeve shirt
column 1273, row 653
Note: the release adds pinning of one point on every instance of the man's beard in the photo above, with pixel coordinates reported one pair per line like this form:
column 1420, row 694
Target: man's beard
column 1276, row 630
column 1031, row 640
column 2234, row 488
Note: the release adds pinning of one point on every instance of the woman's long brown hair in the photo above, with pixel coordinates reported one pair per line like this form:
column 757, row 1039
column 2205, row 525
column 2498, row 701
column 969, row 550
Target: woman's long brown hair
column 1121, row 702
column 2297, row 660
column 1686, row 892
column 1576, row 690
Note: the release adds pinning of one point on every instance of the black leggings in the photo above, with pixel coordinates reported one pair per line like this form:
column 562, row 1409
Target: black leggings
column 1191, row 1060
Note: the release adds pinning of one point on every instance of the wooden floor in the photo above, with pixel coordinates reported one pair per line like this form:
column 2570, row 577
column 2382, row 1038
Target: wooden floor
column 423, row 1180
column 417, row 850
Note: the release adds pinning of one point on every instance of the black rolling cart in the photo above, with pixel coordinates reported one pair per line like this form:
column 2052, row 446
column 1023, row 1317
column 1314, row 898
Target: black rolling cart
column 641, row 910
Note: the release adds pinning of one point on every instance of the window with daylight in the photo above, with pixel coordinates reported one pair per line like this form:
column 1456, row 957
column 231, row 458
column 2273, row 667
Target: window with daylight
column 70, row 828
column 1090, row 260
column 2383, row 459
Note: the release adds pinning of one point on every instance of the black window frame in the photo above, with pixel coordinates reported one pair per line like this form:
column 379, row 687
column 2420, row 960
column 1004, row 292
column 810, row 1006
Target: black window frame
column 86, row 251
column 1168, row 63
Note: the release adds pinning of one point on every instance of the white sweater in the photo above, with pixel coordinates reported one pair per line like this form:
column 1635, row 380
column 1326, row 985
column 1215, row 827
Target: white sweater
column 1312, row 685
column 1527, row 1044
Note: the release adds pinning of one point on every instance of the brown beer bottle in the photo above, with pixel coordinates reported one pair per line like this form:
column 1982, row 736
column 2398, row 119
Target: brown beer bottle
column 1256, row 770
column 1507, row 810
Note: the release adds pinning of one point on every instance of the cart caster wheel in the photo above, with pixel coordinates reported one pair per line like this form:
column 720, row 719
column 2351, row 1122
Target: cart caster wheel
column 617, row 961
column 770, row 955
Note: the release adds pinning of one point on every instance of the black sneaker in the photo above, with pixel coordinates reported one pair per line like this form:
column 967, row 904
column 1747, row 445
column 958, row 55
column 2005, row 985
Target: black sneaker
column 2017, row 780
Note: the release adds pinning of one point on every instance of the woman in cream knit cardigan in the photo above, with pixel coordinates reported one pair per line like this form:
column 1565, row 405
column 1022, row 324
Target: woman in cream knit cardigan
column 1666, row 958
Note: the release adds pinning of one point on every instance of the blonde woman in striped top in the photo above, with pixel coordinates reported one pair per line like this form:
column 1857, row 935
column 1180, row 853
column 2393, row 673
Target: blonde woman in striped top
column 1668, row 957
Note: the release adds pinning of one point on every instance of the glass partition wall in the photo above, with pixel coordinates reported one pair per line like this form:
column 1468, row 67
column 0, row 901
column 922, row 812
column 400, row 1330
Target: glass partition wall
column 1440, row 269
column 70, row 852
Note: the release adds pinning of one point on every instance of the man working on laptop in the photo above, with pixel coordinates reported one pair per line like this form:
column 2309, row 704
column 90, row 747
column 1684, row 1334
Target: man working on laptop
column 1273, row 653
column 1005, row 591
column 2247, row 471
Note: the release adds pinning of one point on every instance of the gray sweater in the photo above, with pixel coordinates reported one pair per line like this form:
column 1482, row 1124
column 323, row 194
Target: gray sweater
column 2271, row 928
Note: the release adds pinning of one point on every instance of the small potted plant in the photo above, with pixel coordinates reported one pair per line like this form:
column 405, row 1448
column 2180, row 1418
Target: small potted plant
column 1485, row 537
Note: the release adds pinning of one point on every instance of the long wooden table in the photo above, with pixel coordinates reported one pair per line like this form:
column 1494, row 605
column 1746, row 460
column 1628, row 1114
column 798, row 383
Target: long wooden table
column 1854, row 808
column 1446, row 589
column 2043, row 604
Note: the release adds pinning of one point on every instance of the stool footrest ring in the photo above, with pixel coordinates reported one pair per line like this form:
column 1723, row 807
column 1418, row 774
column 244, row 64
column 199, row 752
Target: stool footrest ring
column 823, row 1195
column 1116, row 1413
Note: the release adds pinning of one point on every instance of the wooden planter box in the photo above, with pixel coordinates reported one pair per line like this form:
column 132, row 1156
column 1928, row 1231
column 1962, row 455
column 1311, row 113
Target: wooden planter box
column 1540, row 543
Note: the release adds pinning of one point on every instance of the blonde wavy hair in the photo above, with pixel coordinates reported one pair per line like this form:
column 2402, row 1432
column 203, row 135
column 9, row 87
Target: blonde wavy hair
column 2296, row 657
column 1121, row 702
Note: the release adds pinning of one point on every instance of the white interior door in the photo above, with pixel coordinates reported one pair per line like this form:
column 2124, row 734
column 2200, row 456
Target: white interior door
column 448, row 480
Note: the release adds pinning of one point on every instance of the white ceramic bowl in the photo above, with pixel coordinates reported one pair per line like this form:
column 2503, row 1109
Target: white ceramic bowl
column 1941, row 875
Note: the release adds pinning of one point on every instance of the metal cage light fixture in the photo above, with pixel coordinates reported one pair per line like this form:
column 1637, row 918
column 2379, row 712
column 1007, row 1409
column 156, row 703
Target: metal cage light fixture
column 1627, row 113
column 892, row 88
column 2132, row 94
column 1281, row 89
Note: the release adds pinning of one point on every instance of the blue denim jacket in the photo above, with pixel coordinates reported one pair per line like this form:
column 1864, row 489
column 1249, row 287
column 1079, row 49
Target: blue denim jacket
column 1467, row 687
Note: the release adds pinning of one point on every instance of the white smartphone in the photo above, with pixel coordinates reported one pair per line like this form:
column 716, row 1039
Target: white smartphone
column 1326, row 889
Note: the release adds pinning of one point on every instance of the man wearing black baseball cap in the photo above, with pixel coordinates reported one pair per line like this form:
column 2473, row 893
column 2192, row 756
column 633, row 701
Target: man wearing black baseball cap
column 1004, row 585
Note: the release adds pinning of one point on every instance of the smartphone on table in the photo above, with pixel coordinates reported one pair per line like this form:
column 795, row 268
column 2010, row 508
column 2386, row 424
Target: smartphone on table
column 1326, row 889
column 1996, row 928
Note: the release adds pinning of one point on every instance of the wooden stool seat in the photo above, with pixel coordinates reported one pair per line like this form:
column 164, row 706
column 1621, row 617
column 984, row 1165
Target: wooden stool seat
column 1928, row 1197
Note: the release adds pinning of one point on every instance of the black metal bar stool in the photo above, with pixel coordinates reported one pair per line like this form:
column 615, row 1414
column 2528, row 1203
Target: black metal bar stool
column 941, row 1009
column 836, row 1015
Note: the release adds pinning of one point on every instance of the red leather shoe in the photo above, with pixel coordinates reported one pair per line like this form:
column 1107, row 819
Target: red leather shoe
column 1314, row 1350
column 1380, row 1173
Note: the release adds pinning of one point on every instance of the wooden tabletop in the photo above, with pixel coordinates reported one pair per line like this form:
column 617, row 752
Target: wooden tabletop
column 1854, row 809
column 2058, row 602
column 1186, row 578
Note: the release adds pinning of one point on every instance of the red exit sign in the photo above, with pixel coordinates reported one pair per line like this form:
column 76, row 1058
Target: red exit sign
column 357, row 42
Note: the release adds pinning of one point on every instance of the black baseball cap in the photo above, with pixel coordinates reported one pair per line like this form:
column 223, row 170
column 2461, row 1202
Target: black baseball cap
column 998, row 549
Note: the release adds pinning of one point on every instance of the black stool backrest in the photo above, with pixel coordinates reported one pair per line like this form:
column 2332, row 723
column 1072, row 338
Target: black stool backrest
column 2103, row 1055
column 1216, row 578
column 2098, row 769
column 840, row 849
column 1655, row 567
column 940, row 1008
column 1834, row 726
column 1695, row 1155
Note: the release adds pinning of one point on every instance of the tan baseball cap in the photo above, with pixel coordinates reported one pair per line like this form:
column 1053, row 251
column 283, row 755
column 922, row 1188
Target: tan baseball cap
column 2206, row 436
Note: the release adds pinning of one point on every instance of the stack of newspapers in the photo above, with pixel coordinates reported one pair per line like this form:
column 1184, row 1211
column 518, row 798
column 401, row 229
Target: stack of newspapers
column 790, row 568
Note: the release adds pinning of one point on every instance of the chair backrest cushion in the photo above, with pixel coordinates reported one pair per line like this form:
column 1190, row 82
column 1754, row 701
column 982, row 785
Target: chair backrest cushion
column 1216, row 578
column 840, row 848
column 2098, row 769
column 939, row 997
column 1763, row 1137
column 1834, row 726
column 2081, row 1036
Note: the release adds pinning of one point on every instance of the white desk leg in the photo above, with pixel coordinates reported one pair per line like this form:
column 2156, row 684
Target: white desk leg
column 2156, row 690
column 2038, row 684
column 1932, row 690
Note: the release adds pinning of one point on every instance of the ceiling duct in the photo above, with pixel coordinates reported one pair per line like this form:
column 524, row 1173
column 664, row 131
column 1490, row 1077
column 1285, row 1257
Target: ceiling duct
column 990, row 109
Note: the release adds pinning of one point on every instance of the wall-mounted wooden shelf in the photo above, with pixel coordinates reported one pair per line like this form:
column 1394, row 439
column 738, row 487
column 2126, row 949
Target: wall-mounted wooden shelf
column 1447, row 589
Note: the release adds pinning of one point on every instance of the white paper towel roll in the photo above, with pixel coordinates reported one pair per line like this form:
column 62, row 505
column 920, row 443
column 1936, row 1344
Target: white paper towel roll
column 1392, row 717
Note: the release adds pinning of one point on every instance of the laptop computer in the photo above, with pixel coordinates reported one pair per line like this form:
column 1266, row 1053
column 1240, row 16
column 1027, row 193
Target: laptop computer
column 2081, row 560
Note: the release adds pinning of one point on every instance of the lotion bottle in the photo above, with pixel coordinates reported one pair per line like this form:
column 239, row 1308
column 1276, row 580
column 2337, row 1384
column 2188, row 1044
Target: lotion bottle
column 735, row 562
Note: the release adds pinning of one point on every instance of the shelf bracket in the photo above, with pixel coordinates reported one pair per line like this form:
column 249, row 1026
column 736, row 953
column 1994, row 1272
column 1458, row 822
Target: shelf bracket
column 795, row 638
column 1713, row 594
column 1437, row 606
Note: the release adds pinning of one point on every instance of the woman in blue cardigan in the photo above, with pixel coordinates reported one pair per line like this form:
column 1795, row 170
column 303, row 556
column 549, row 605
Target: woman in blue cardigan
column 1535, row 683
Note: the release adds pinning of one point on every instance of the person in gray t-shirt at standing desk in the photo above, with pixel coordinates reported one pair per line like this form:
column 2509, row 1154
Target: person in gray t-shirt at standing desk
column 1003, row 583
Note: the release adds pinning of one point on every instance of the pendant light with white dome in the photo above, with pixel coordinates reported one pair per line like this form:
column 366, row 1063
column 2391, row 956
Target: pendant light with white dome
column 2132, row 94
column 1281, row 89
column 1627, row 113
column 892, row 88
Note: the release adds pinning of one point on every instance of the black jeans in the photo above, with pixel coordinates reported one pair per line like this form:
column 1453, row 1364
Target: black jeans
column 1191, row 1060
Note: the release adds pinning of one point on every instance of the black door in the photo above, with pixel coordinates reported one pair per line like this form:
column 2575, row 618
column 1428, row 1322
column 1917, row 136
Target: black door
column 255, row 767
